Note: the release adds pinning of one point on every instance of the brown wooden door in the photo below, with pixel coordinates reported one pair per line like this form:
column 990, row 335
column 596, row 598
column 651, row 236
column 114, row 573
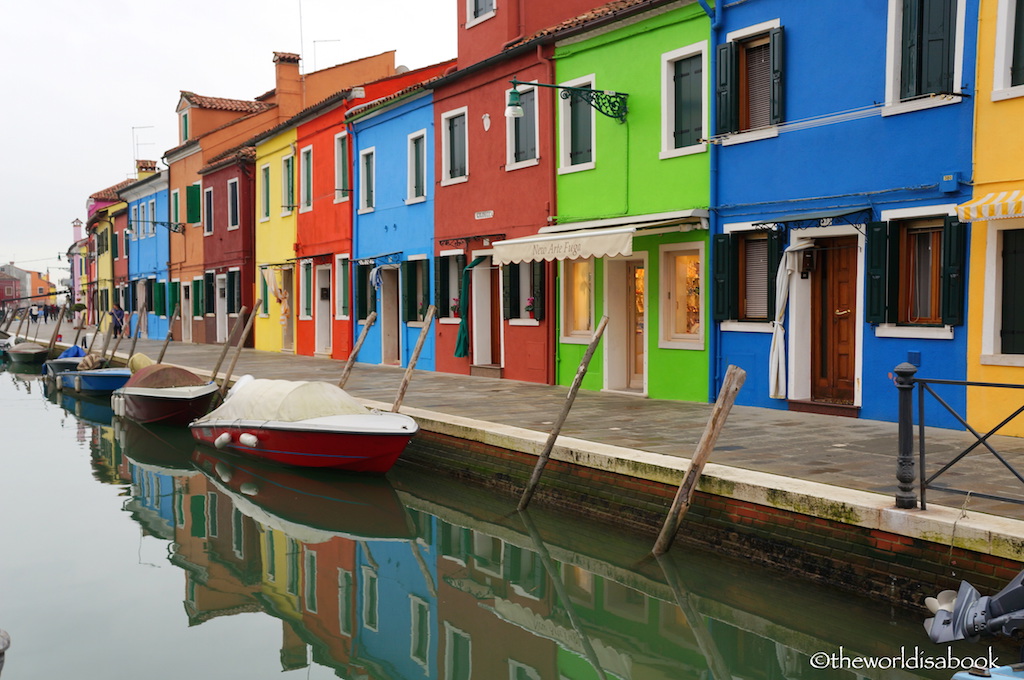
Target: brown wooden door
column 834, row 321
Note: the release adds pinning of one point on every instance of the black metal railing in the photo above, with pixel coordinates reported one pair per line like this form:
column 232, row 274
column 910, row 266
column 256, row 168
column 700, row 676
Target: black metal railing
column 905, row 383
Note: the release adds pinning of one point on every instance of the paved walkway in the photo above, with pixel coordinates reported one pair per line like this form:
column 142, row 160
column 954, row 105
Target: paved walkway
column 848, row 452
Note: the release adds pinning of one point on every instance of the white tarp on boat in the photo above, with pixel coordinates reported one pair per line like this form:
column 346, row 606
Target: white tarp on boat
column 284, row 401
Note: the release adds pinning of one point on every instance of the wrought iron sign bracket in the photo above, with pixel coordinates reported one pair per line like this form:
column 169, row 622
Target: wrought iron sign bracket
column 606, row 102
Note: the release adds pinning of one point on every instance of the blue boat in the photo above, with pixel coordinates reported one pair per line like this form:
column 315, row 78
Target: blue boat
column 95, row 381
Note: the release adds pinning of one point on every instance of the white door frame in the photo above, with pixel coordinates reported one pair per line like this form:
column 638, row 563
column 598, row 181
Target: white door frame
column 480, row 292
column 322, row 309
column 615, row 345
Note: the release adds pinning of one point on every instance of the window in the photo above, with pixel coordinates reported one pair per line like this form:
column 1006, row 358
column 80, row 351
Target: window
column 366, row 295
column 143, row 225
column 1009, row 51
column 265, row 192
column 306, row 180
column 309, row 581
column 522, row 132
column 209, row 293
column 749, row 80
column 520, row 671
column 683, row 108
column 292, row 552
column 264, row 292
column 366, row 180
column 184, row 126
column 234, row 284
column 682, row 299
column 193, row 203
column 208, row 211
column 576, row 129
column 415, row 290
column 454, row 147
column 448, row 276
column 342, row 182
column 419, row 645
column 915, row 271
column 523, row 290
column 233, row 218
column 457, row 654
column 578, row 297
column 926, row 47
column 417, row 172
column 174, row 297
column 115, row 243
column 287, row 185
column 478, row 10
column 160, row 298
column 175, row 207
column 342, row 276
column 198, row 304
column 370, row 618
column 125, row 251
column 133, row 222
column 1011, row 330
column 743, row 274
column 345, row 602
column 152, row 218
column 307, row 290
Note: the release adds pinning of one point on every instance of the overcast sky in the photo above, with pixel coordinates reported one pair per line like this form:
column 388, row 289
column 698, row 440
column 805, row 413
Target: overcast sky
column 88, row 86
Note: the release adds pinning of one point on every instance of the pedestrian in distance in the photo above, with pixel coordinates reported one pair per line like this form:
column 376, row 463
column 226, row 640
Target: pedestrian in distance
column 33, row 313
column 117, row 314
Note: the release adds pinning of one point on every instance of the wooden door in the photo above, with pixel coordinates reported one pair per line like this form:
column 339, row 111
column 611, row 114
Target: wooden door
column 834, row 321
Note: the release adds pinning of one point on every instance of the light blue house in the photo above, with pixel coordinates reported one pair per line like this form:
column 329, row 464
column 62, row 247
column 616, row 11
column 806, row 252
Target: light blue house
column 393, row 225
column 842, row 145
column 148, row 250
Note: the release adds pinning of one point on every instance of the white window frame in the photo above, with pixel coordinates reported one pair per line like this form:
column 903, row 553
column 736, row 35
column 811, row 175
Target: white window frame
column 342, row 171
column 894, row 62
column 264, row 187
column 152, row 217
column 342, row 286
column 510, row 130
column 236, row 208
column 136, row 225
column 345, row 587
column 306, row 179
column 287, row 204
column 740, row 35
column 472, row 21
column 446, row 178
column 1005, row 20
column 142, row 220
column 417, row 607
column 514, row 666
column 208, row 211
column 364, row 206
column 565, row 165
column 569, row 334
column 176, row 206
column 666, row 338
column 734, row 325
column 368, row 574
column 450, row 632
column 184, row 126
column 410, row 189
column 668, row 98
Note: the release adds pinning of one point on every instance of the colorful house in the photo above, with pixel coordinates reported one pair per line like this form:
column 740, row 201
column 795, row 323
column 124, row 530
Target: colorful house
column 146, row 248
column 101, row 208
column 995, row 348
column 836, row 175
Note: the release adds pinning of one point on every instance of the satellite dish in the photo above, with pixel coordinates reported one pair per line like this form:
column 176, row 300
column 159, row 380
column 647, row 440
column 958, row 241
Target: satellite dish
column 401, row 69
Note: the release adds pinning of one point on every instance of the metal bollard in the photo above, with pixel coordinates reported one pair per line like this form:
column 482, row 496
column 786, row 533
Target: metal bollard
column 905, row 475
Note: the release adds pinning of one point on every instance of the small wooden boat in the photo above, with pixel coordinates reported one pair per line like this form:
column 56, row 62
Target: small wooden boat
column 164, row 394
column 308, row 506
column 28, row 353
column 69, row 360
column 94, row 381
column 307, row 424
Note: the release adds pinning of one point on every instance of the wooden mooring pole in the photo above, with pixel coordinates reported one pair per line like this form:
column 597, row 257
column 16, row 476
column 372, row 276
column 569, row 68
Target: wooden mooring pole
column 20, row 322
column 120, row 336
column 56, row 331
column 238, row 348
column 228, row 342
column 170, row 332
column 734, row 378
column 413, row 359
column 569, row 399
column 347, row 371
column 138, row 329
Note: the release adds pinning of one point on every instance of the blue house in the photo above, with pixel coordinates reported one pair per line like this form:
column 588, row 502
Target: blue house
column 148, row 252
column 842, row 146
column 393, row 228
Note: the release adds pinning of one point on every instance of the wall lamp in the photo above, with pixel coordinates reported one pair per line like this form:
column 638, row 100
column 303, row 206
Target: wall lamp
column 607, row 102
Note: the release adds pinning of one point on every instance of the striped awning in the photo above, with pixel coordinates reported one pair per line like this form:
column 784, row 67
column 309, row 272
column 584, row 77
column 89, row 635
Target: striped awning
column 994, row 206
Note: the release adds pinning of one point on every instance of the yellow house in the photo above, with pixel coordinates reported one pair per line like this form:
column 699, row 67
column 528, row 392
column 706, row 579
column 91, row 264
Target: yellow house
column 996, row 285
column 276, row 210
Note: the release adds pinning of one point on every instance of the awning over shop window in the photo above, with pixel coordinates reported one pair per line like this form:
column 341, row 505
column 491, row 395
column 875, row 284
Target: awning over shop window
column 571, row 245
column 994, row 206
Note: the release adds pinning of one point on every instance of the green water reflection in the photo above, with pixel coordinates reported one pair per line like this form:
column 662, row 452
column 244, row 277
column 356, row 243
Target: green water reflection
column 227, row 568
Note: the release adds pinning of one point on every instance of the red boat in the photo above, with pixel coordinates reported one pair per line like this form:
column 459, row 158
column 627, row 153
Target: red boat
column 305, row 424
column 165, row 395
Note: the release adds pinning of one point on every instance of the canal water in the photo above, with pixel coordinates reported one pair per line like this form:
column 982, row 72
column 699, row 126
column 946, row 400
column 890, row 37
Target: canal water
column 128, row 552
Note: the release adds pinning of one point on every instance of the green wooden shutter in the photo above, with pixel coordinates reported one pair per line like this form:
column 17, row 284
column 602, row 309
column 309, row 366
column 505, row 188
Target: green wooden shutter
column 344, row 273
column 361, row 284
column 954, row 266
column 687, row 76
column 1017, row 65
column 1011, row 333
column 210, row 292
column 408, row 291
column 537, row 289
column 510, row 291
column 909, row 65
column 232, row 292
column 441, row 300
column 723, row 278
column 776, row 248
column 580, row 131
column 159, row 299
column 727, row 116
column 197, row 297
column 193, row 203
column 777, row 56
column 937, row 21
column 424, row 298
column 174, row 298
column 877, row 270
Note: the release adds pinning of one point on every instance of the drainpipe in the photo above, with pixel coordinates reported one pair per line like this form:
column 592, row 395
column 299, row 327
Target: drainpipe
column 551, row 293
column 713, row 218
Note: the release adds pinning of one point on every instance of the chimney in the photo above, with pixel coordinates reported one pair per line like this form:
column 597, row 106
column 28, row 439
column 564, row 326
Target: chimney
column 288, row 84
column 144, row 168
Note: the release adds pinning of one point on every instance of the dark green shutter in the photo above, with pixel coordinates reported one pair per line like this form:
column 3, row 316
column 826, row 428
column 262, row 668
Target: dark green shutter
column 197, row 297
column 1017, row 65
column 777, row 55
column 193, row 205
column 408, row 284
column 727, row 116
column 723, row 277
column 159, row 301
column 232, row 292
column 1011, row 334
column 117, row 249
column 910, row 64
column 954, row 266
column 510, row 303
column 687, row 77
column 210, row 292
column 197, row 508
column 776, row 249
column 937, row 20
column 580, row 131
column 362, row 282
column 424, row 299
column 537, row 288
column 441, row 300
column 877, row 270
column 174, row 298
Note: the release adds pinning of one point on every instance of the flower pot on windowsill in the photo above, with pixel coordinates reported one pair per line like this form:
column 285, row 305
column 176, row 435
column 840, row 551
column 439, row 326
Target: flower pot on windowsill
column 529, row 314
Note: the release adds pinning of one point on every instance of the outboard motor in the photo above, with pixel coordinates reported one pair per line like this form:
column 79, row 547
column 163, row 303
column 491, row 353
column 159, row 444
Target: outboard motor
column 967, row 615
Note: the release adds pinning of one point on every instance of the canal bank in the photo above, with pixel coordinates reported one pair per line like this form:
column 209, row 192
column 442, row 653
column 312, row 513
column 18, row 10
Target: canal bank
column 800, row 492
